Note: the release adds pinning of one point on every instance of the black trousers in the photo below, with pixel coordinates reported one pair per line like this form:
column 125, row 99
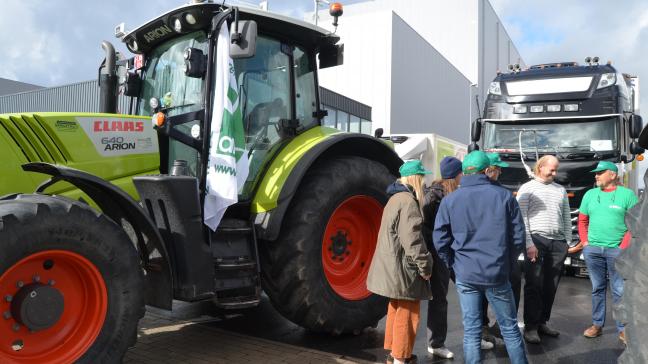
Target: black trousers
column 437, row 311
column 516, row 284
column 541, row 280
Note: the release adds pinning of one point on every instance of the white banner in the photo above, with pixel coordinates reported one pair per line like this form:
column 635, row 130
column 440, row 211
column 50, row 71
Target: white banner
column 228, row 159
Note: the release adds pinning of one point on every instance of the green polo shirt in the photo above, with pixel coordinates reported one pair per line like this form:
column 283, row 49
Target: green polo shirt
column 606, row 211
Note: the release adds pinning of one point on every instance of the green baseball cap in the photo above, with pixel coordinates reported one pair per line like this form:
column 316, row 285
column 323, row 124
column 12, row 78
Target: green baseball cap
column 474, row 162
column 412, row 167
column 605, row 166
column 495, row 160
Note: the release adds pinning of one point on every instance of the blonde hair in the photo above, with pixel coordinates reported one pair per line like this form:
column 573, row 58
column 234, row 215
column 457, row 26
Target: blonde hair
column 416, row 181
column 449, row 184
column 541, row 162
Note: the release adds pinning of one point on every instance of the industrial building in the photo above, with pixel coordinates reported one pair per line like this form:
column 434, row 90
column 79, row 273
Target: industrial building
column 419, row 64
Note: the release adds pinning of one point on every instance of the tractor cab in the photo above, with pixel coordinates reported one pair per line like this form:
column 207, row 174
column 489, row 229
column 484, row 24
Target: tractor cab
column 173, row 76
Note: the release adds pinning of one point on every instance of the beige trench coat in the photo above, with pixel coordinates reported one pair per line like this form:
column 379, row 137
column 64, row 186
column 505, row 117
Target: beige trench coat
column 401, row 256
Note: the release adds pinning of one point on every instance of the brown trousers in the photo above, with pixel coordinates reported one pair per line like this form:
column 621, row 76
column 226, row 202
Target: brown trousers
column 400, row 331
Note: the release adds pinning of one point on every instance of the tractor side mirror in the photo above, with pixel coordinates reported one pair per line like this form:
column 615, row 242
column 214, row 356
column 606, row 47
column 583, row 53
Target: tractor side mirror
column 331, row 56
column 636, row 123
column 378, row 133
column 244, row 36
column 131, row 84
column 195, row 63
column 475, row 131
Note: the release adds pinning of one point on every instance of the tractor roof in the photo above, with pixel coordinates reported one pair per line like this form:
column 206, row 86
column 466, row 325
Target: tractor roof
column 161, row 28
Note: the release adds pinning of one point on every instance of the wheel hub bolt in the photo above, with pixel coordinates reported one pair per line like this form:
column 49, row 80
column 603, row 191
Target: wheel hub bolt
column 6, row 315
column 16, row 327
column 20, row 284
column 51, row 282
column 8, row 298
column 36, row 278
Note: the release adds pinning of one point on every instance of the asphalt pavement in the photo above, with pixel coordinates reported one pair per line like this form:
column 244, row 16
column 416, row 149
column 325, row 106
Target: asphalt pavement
column 571, row 315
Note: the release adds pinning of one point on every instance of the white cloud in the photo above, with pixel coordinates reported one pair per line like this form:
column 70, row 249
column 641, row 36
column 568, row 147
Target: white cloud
column 558, row 30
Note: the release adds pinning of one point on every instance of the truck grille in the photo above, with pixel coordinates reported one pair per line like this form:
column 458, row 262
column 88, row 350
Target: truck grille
column 574, row 225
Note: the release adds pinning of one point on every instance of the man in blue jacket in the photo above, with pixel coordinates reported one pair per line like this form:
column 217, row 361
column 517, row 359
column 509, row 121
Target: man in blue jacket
column 479, row 233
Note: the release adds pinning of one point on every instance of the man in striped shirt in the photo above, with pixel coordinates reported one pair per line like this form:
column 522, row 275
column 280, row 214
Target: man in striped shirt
column 545, row 210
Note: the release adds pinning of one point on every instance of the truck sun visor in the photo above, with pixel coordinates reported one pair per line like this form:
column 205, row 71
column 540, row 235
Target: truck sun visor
column 549, row 86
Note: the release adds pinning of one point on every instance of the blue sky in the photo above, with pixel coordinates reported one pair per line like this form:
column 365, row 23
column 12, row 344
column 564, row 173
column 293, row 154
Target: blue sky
column 56, row 42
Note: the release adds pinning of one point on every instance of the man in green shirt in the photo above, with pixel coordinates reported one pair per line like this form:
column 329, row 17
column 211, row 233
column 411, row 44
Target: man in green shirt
column 602, row 230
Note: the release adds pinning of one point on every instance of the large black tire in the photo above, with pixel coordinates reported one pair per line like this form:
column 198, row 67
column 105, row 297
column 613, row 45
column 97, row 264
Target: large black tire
column 39, row 226
column 632, row 264
column 292, row 266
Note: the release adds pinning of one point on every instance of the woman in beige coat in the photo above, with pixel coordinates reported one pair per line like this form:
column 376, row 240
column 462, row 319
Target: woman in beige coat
column 402, row 264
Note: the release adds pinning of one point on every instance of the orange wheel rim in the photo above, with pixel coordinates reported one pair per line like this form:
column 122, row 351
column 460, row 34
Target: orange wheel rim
column 348, row 246
column 27, row 291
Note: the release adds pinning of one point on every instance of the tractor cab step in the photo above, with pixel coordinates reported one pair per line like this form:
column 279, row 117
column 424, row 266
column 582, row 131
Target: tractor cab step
column 237, row 283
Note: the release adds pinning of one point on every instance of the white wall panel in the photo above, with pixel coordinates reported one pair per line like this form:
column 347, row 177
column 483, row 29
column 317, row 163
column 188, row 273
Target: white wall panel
column 365, row 75
column 429, row 95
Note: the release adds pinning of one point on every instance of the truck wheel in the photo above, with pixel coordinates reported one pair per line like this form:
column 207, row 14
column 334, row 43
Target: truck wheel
column 632, row 264
column 70, row 283
column 315, row 273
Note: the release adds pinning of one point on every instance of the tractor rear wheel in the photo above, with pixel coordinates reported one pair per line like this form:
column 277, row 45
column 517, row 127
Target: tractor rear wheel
column 70, row 283
column 315, row 272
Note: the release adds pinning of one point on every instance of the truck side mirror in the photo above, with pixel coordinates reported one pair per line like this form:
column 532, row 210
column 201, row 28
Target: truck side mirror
column 636, row 123
column 636, row 149
column 475, row 131
column 331, row 56
column 244, row 36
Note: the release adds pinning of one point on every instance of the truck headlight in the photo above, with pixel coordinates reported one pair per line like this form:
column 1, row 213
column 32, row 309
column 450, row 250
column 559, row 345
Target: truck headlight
column 495, row 88
column 607, row 79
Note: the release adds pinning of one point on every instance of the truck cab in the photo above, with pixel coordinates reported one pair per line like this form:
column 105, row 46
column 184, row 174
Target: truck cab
column 581, row 114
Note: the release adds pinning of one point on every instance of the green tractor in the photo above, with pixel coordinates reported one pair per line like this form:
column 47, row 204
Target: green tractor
column 116, row 221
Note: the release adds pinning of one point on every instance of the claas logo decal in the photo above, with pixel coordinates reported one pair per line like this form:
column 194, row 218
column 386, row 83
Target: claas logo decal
column 118, row 125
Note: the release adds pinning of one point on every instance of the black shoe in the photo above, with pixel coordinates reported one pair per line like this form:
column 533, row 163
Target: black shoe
column 495, row 330
column 545, row 330
column 531, row 336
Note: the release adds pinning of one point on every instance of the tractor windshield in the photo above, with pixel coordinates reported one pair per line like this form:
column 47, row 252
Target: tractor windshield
column 265, row 96
column 164, row 79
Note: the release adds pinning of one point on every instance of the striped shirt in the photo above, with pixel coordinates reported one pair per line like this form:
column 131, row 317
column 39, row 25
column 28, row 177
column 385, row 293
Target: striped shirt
column 545, row 210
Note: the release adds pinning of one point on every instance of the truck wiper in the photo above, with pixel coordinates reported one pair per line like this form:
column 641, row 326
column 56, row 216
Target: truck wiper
column 583, row 155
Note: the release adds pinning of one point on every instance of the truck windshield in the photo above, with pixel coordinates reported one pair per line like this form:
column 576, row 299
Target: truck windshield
column 570, row 136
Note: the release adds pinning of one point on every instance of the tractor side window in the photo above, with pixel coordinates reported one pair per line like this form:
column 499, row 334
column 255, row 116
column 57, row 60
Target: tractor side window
column 264, row 98
column 305, row 90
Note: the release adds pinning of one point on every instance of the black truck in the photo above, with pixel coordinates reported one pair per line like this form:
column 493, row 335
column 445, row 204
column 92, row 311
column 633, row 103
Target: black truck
column 582, row 114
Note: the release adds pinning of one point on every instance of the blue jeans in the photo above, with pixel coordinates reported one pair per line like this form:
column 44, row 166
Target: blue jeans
column 599, row 261
column 503, row 303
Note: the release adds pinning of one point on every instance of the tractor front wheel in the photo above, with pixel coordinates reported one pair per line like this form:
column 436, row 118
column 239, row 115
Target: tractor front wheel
column 315, row 273
column 70, row 283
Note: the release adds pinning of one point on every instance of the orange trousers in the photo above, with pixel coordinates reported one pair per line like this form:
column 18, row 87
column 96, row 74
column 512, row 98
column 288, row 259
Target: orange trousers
column 400, row 331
